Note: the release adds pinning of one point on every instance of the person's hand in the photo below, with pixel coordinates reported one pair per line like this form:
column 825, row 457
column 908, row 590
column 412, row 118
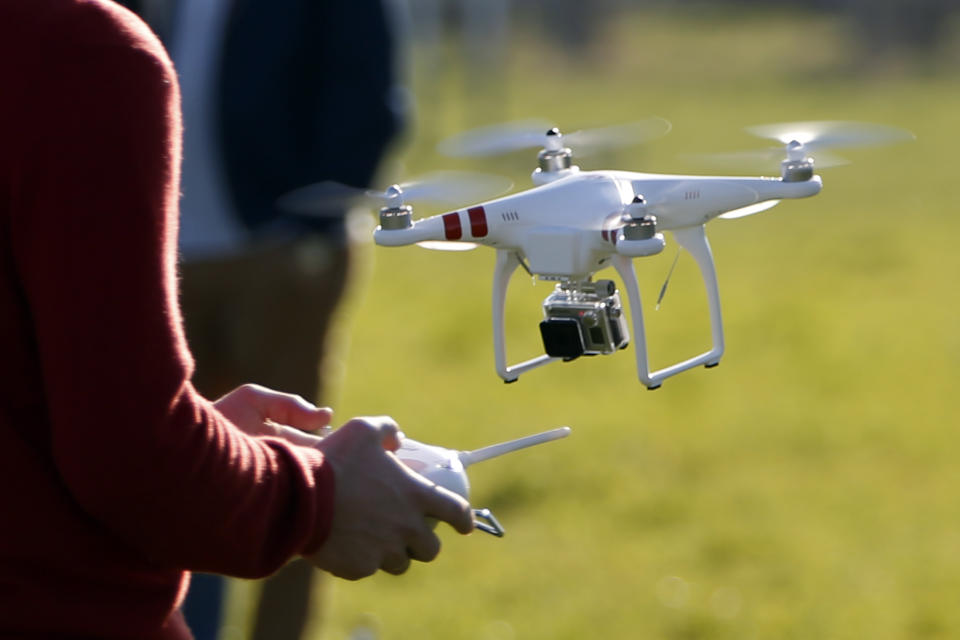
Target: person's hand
column 381, row 507
column 259, row 411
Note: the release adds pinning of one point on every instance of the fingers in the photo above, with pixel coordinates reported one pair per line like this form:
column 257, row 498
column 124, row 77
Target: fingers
column 384, row 512
column 348, row 566
column 443, row 504
column 287, row 408
column 423, row 547
column 390, row 436
column 296, row 436
column 434, row 500
column 293, row 410
column 382, row 431
column 396, row 563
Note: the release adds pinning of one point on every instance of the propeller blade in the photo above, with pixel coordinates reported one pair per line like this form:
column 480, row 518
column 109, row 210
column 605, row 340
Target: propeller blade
column 814, row 136
column 762, row 159
column 827, row 134
column 589, row 141
column 443, row 187
column 440, row 245
column 755, row 159
column 496, row 139
column 526, row 134
column 455, row 187
column 325, row 199
column 743, row 212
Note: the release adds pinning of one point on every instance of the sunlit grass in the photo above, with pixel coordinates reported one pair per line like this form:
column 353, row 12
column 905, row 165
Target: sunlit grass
column 807, row 487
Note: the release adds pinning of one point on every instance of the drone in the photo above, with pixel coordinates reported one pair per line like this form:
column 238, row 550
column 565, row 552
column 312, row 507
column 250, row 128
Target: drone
column 572, row 224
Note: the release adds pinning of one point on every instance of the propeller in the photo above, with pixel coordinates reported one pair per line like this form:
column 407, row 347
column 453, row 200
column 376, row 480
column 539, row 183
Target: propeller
column 526, row 134
column 762, row 159
column 325, row 199
column 333, row 199
column 812, row 139
column 832, row 134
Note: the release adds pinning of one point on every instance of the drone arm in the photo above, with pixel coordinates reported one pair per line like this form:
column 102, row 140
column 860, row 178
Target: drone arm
column 507, row 263
column 432, row 228
column 694, row 240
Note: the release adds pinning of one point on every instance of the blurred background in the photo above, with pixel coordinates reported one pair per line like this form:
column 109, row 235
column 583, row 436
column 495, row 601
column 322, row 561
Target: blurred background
column 809, row 487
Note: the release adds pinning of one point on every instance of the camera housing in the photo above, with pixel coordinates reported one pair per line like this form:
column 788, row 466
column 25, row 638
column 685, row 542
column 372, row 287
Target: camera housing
column 583, row 319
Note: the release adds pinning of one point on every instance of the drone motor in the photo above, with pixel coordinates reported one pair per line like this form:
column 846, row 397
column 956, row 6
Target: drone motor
column 400, row 217
column 798, row 166
column 644, row 228
column 554, row 156
column 638, row 223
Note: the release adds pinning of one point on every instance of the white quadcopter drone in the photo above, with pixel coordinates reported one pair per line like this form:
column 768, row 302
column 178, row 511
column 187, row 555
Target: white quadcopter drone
column 574, row 223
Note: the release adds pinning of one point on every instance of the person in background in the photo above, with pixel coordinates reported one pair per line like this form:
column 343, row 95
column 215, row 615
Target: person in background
column 118, row 477
column 276, row 94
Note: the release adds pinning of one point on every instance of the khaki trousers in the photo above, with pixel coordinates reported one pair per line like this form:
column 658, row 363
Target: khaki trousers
column 263, row 316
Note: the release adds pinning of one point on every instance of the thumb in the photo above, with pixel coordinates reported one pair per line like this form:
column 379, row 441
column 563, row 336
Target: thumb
column 381, row 431
column 388, row 432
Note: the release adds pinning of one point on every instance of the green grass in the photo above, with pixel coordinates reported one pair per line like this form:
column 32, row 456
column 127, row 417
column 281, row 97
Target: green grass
column 809, row 487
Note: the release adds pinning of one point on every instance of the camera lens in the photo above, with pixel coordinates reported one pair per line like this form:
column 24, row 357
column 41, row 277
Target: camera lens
column 562, row 338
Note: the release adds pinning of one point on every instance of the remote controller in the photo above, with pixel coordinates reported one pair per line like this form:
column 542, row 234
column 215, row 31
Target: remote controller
column 447, row 467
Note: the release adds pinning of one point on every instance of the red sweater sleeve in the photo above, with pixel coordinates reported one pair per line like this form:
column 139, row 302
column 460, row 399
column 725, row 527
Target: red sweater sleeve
column 93, row 228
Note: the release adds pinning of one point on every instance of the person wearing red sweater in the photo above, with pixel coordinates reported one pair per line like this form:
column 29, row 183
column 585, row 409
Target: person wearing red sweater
column 116, row 476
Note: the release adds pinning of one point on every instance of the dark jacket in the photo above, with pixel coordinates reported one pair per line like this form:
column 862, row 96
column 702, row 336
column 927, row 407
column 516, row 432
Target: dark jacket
column 306, row 93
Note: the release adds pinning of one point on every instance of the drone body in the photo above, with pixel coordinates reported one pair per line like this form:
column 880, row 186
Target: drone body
column 571, row 227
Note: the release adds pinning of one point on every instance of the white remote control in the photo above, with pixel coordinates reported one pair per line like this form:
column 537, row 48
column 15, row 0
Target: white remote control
column 447, row 467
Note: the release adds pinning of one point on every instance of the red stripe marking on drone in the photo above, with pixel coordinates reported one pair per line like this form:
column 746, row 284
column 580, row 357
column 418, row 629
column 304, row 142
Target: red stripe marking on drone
column 451, row 226
column 478, row 222
column 604, row 234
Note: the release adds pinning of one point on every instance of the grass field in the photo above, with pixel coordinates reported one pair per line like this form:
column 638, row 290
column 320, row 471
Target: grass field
column 809, row 487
